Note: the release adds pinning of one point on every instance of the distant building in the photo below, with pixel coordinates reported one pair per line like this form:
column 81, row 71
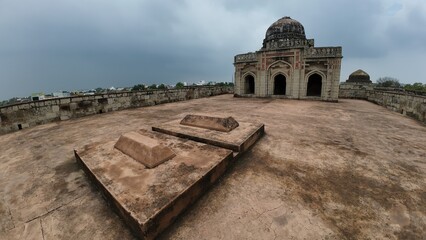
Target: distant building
column 61, row 94
column 356, row 86
column 289, row 66
column 37, row 96
column 200, row 83
column 359, row 76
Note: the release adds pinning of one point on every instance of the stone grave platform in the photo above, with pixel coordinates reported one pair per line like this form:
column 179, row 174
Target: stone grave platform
column 149, row 199
column 150, row 177
column 239, row 139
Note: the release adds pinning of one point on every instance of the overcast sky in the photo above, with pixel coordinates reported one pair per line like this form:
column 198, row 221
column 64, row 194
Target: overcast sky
column 51, row 45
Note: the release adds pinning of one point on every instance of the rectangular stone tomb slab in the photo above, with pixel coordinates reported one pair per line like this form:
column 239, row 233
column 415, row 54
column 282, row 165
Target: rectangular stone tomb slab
column 149, row 200
column 238, row 140
column 213, row 123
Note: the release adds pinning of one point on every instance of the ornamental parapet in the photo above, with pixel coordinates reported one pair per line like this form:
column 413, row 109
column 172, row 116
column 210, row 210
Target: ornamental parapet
column 322, row 52
column 289, row 43
column 247, row 57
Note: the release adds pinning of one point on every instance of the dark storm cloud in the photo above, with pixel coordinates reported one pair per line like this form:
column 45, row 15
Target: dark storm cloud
column 49, row 45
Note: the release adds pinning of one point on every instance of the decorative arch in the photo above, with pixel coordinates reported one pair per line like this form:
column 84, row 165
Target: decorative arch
column 248, row 73
column 278, row 62
column 313, row 72
column 249, row 82
column 279, row 83
column 314, row 83
column 280, row 72
column 273, row 70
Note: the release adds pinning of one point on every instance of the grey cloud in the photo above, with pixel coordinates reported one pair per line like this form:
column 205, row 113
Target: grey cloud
column 49, row 45
column 407, row 31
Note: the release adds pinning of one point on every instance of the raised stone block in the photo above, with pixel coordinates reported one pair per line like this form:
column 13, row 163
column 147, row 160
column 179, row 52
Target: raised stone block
column 55, row 108
column 64, row 117
column 65, row 100
column 24, row 106
column 51, row 115
column 148, row 151
column 73, row 106
column 212, row 123
column 238, row 140
column 149, row 200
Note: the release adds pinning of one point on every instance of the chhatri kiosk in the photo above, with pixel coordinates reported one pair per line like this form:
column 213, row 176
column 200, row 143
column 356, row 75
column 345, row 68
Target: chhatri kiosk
column 289, row 66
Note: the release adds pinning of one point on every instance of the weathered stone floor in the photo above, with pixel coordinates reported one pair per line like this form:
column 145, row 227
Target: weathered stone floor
column 349, row 170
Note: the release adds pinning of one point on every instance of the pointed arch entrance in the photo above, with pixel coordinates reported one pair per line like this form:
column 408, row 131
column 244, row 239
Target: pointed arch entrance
column 249, row 84
column 314, row 85
column 279, row 84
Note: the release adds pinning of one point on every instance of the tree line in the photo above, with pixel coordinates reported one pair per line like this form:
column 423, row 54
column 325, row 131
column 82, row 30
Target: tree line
column 390, row 82
column 141, row 87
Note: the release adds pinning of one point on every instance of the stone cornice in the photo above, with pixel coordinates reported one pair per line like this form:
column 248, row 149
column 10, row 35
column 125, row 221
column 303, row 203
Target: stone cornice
column 288, row 44
column 246, row 57
column 323, row 52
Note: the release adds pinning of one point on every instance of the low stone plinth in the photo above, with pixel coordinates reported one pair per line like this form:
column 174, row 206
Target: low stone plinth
column 213, row 123
column 237, row 140
column 149, row 200
column 148, row 151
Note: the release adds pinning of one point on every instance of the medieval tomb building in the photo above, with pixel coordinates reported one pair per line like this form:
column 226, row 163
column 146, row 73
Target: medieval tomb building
column 289, row 66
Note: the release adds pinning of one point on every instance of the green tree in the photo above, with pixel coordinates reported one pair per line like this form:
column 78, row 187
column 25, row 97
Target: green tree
column 161, row 86
column 179, row 85
column 99, row 90
column 138, row 87
column 388, row 82
column 419, row 87
column 153, row 86
column 225, row 84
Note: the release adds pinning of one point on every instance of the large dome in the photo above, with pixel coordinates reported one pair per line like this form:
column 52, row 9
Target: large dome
column 285, row 28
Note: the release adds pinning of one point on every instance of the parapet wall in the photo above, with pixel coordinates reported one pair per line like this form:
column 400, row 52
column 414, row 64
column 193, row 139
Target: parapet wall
column 411, row 105
column 405, row 103
column 23, row 115
column 354, row 90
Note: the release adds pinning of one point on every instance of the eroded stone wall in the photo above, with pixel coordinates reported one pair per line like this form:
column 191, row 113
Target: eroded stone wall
column 354, row 90
column 29, row 114
column 403, row 102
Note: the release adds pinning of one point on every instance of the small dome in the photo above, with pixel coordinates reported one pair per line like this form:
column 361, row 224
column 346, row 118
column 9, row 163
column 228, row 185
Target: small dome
column 359, row 76
column 285, row 28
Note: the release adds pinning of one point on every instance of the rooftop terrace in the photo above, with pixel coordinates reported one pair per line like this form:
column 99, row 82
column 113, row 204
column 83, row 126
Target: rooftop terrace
column 323, row 170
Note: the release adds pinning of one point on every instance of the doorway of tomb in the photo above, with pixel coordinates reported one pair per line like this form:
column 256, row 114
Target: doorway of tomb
column 314, row 85
column 249, row 84
column 279, row 84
